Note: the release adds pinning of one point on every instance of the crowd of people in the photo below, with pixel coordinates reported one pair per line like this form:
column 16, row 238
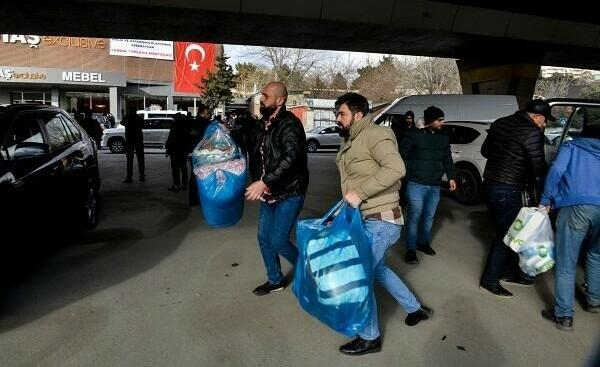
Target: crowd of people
column 374, row 162
column 382, row 168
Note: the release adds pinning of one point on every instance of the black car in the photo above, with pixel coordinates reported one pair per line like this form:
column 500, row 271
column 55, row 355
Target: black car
column 48, row 170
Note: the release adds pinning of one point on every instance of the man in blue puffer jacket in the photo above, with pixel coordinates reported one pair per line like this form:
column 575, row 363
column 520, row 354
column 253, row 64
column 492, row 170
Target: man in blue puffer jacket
column 573, row 187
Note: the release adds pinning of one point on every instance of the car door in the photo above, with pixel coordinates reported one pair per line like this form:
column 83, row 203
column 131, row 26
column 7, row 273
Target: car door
column 26, row 194
column 149, row 130
column 65, row 160
column 571, row 118
column 162, row 133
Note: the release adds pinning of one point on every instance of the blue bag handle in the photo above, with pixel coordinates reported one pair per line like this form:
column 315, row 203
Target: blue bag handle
column 333, row 209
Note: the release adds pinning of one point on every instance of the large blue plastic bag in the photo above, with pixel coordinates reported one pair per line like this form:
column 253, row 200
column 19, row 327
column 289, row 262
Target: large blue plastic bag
column 532, row 237
column 333, row 278
column 216, row 146
column 221, row 189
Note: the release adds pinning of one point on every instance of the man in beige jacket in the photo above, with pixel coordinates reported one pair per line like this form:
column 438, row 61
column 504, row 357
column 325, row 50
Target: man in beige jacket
column 370, row 171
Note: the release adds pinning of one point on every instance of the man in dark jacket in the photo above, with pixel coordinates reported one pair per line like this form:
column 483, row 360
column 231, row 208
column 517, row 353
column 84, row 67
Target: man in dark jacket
column 427, row 155
column 573, row 188
column 177, row 148
column 134, row 141
column 514, row 149
column 279, row 171
column 92, row 127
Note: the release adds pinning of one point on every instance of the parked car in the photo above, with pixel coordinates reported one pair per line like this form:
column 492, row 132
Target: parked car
column 156, row 132
column 48, row 169
column 466, row 139
column 323, row 137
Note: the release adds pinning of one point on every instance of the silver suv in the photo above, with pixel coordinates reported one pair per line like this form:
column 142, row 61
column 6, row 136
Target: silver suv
column 323, row 137
column 156, row 132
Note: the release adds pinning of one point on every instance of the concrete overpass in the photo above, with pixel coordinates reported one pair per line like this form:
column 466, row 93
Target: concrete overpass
column 499, row 45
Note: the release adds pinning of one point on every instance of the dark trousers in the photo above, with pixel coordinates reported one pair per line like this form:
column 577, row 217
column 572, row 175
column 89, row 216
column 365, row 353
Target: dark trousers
column 139, row 153
column 179, row 169
column 504, row 203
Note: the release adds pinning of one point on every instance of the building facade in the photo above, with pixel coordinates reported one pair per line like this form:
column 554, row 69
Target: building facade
column 97, row 74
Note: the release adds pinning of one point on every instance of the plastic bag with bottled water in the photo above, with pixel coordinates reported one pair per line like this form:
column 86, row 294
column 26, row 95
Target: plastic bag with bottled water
column 333, row 277
column 532, row 237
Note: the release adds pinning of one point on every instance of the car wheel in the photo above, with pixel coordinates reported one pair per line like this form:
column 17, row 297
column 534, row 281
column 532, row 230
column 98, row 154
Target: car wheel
column 116, row 145
column 89, row 207
column 468, row 186
column 312, row 146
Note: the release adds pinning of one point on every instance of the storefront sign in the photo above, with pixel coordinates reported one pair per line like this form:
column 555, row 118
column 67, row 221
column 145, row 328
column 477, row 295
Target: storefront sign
column 150, row 49
column 60, row 76
column 60, row 41
column 76, row 76
column 74, row 42
column 26, row 39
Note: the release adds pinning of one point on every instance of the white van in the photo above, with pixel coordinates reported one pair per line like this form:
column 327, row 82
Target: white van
column 456, row 107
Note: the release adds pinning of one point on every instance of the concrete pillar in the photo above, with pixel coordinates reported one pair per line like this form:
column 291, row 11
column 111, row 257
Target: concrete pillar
column 170, row 102
column 55, row 97
column 512, row 79
column 113, row 101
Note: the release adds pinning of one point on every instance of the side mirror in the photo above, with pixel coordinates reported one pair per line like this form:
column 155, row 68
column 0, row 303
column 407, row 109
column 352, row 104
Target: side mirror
column 29, row 149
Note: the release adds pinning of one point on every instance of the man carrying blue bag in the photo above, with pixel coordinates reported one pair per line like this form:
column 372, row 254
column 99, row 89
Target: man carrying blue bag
column 370, row 172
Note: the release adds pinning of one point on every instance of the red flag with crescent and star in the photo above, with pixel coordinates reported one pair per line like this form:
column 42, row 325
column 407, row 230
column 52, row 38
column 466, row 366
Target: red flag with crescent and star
column 193, row 61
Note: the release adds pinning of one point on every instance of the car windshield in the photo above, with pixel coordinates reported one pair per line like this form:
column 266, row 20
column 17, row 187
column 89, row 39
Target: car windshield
column 315, row 129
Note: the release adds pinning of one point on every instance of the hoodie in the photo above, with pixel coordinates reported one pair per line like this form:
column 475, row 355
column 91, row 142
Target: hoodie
column 574, row 178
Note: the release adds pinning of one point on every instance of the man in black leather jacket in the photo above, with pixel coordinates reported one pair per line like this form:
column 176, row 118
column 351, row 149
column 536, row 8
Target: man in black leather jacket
column 279, row 171
column 514, row 149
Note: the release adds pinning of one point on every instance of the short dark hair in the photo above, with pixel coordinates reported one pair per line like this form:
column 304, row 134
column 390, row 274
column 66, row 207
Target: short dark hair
column 355, row 102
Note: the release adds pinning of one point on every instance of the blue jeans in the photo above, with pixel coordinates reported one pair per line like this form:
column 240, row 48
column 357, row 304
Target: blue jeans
column 381, row 236
column 576, row 225
column 504, row 203
column 275, row 225
column 422, row 204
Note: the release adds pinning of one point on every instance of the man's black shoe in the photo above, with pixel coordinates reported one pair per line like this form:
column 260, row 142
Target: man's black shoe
column 561, row 323
column 268, row 287
column 426, row 249
column 592, row 309
column 517, row 280
column 360, row 346
column 496, row 289
column 411, row 257
column 419, row 315
column 126, row 180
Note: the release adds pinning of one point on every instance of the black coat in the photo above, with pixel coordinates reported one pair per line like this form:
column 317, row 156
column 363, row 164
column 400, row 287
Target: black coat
column 427, row 156
column 514, row 149
column 286, row 166
column 133, row 129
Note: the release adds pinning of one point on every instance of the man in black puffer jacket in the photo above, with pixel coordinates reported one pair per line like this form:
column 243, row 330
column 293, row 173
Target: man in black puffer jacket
column 514, row 149
column 279, row 171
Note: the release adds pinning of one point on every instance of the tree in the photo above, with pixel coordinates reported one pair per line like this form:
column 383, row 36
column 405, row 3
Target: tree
column 216, row 88
column 250, row 78
column 339, row 82
column 591, row 91
column 429, row 75
column 289, row 65
column 378, row 83
column 555, row 86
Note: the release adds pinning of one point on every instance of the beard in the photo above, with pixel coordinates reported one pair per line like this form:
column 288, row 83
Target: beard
column 345, row 131
column 266, row 112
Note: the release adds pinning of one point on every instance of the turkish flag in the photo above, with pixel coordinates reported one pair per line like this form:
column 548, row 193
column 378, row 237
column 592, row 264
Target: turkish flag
column 193, row 61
